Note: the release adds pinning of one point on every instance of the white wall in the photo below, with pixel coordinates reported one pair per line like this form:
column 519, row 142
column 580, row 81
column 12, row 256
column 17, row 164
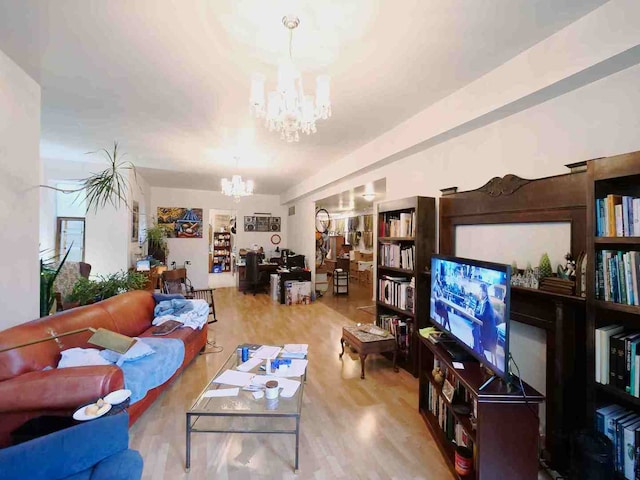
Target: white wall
column 108, row 246
column 139, row 191
column 19, row 194
column 196, row 250
column 301, row 230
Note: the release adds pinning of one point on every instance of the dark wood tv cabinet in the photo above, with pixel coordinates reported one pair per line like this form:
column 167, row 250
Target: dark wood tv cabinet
column 502, row 428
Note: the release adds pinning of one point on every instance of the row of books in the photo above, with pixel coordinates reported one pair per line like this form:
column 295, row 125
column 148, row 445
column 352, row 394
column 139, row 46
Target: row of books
column 617, row 276
column 623, row 429
column 397, row 225
column 618, row 358
column 397, row 292
column 397, row 256
column 618, row 216
column 453, row 430
column 400, row 327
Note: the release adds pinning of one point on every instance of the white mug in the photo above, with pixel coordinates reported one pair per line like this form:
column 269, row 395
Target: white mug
column 271, row 390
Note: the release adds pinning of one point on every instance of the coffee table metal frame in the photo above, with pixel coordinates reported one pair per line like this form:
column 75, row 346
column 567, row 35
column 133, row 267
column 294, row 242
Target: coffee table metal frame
column 224, row 407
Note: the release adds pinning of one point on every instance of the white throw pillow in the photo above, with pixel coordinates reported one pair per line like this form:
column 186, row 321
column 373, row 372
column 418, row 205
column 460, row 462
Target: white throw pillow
column 81, row 357
column 136, row 352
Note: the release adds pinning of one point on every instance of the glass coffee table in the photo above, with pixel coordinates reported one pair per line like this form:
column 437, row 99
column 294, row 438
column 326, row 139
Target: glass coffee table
column 244, row 413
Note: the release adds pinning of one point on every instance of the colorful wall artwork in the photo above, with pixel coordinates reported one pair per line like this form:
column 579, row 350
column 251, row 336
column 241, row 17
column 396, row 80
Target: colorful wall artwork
column 181, row 222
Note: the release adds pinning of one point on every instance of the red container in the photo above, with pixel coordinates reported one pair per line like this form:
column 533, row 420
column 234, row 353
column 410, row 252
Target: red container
column 464, row 461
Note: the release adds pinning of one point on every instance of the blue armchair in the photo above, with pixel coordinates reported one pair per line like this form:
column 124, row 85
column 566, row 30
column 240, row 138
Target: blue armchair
column 95, row 450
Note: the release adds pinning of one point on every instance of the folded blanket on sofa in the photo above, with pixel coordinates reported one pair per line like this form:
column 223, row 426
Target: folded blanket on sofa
column 176, row 306
column 151, row 371
column 195, row 318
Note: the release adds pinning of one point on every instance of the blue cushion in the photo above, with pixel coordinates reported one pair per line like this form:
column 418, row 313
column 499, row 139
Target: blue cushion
column 66, row 452
column 83, row 475
column 161, row 297
column 125, row 465
column 139, row 350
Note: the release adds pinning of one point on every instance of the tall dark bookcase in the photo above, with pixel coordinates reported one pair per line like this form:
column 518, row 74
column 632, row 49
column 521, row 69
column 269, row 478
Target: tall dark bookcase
column 618, row 175
column 422, row 242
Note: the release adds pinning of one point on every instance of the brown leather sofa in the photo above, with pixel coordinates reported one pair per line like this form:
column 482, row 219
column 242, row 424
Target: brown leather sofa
column 28, row 391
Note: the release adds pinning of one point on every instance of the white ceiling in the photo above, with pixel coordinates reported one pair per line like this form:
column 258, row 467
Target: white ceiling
column 170, row 79
column 351, row 202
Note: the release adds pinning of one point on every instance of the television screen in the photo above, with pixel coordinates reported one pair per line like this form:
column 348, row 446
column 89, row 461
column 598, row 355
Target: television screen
column 143, row 265
column 470, row 301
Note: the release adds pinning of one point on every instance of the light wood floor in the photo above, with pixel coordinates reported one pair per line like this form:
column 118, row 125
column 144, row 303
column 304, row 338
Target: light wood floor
column 350, row 428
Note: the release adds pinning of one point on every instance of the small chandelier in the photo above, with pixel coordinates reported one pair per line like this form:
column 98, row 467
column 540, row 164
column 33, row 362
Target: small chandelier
column 236, row 187
column 288, row 109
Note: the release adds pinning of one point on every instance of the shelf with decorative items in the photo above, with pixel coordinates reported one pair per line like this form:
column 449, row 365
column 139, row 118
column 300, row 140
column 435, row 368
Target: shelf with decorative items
column 405, row 243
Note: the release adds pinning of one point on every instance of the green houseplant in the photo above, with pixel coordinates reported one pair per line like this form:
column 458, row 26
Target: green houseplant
column 157, row 244
column 110, row 186
column 86, row 291
column 48, row 274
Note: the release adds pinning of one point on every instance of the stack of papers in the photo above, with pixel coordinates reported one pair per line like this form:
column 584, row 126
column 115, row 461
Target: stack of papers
column 233, row 377
column 295, row 350
column 289, row 387
column 249, row 364
column 296, row 369
column 266, row 352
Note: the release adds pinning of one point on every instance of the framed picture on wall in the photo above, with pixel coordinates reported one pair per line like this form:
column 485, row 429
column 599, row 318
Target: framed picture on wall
column 135, row 222
column 181, row 222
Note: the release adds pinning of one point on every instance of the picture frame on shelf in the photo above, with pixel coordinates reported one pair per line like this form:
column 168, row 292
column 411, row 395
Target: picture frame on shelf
column 448, row 390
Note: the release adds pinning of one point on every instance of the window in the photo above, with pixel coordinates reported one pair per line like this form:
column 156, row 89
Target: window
column 70, row 225
column 70, row 234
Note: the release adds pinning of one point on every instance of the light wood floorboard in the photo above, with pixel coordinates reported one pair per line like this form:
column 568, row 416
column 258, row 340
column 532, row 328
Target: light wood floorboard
column 350, row 428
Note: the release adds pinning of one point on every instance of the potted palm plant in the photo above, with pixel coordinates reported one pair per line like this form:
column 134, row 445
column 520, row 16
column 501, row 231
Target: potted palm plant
column 157, row 242
column 108, row 187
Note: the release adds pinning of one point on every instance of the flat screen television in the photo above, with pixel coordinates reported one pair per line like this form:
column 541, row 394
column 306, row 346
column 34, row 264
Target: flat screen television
column 470, row 301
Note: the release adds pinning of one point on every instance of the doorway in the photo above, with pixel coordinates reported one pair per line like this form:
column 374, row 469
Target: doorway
column 222, row 245
column 347, row 243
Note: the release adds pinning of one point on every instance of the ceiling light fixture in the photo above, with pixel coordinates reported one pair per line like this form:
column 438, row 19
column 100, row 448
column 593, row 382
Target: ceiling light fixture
column 288, row 109
column 369, row 196
column 236, row 187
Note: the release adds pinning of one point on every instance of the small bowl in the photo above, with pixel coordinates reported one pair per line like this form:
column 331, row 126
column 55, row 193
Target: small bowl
column 117, row 397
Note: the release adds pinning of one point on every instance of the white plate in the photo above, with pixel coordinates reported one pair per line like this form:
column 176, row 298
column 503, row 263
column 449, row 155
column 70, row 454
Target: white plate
column 119, row 396
column 82, row 417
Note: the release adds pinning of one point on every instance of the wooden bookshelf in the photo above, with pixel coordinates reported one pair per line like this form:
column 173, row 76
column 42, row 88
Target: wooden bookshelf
column 498, row 452
column 420, row 238
column 386, row 306
column 395, row 269
column 221, row 251
column 619, row 175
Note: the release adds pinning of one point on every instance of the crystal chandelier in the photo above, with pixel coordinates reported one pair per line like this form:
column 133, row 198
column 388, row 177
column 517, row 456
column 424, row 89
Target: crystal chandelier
column 288, row 110
column 236, row 187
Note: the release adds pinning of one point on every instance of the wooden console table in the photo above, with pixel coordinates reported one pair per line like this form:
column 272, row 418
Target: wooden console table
column 365, row 343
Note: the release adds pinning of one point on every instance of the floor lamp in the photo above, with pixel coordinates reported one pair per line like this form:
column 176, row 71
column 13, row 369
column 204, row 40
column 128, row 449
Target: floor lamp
column 101, row 338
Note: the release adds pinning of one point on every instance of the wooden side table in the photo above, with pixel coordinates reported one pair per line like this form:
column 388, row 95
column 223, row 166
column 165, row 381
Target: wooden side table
column 365, row 343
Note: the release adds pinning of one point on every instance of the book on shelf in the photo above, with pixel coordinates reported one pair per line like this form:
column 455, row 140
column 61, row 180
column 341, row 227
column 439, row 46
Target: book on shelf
column 617, row 216
column 397, row 256
column 603, row 336
column 394, row 291
column 618, row 358
column 400, row 327
column 622, row 427
column 453, row 430
column 617, row 276
column 396, row 224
